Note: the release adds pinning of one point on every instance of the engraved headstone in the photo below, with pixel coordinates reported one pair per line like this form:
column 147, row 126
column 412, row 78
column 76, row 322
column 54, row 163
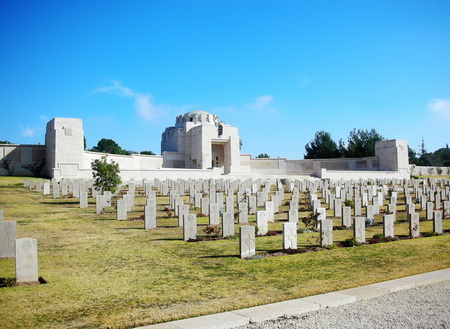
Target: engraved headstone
column 26, row 260
column 183, row 210
column 227, row 224
column 346, row 216
column 293, row 215
column 243, row 212
column 388, row 226
column 290, row 235
column 359, row 229
column 121, row 210
column 247, row 241
column 190, row 227
column 326, row 232
column 437, row 221
column 262, row 218
column 149, row 217
column 214, row 214
column 83, row 200
column 413, row 225
column 7, row 238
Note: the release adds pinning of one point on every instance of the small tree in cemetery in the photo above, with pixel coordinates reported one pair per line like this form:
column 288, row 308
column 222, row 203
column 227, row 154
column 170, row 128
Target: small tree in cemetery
column 106, row 175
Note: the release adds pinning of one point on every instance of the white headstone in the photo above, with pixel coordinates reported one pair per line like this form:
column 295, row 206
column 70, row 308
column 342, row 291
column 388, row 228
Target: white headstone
column 190, row 227
column 227, row 224
column 247, row 241
column 290, row 235
column 243, row 212
column 262, row 218
column 346, row 216
column 214, row 214
column 359, row 229
column 388, row 226
column 7, row 238
column 121, row 210
column 26, row 260
column 149, row 216
column 437, row 222
column 414, row 225
column 326, row 232
column 83, row 200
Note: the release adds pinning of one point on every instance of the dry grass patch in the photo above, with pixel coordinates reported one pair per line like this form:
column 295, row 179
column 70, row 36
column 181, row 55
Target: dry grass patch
column 106, row 273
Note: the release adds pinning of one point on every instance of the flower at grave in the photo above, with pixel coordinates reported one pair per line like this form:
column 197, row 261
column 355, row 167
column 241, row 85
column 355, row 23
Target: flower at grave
column 210, row 230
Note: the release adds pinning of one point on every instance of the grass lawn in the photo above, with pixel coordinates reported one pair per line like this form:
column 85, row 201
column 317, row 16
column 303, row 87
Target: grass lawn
column 104, row 273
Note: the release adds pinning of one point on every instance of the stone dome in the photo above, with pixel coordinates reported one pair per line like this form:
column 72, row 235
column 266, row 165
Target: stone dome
column 197, row 117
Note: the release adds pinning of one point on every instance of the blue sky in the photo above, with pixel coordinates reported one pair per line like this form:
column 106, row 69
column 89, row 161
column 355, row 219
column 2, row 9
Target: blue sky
column 278, row 70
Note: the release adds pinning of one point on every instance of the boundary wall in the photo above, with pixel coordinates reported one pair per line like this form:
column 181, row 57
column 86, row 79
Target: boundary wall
column 64, row 157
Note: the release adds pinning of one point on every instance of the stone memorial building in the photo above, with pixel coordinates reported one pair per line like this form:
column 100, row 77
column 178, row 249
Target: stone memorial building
column 199, row 145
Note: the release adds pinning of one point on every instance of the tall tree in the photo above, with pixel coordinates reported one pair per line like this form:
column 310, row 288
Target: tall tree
column 361, row 143
column 108, row 146
column 321, row 147
column 425, row 158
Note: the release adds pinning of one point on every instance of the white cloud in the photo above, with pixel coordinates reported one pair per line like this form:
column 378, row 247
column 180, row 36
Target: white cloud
column 262, row 103
column 142, row 102
column 440, row 106
column 27, row 131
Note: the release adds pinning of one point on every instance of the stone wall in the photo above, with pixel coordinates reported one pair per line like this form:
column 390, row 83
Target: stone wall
column 22, row 160
column 426, row 171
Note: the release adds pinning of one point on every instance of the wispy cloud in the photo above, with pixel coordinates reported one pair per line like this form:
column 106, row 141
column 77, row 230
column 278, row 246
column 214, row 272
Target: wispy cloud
column 262, row 103
column 305, row 81
column 28, row 131
column 44, row 118
column 146, row 109
column 440, row 107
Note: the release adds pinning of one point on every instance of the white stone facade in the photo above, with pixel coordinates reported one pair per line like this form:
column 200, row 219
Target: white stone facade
column 198, row 146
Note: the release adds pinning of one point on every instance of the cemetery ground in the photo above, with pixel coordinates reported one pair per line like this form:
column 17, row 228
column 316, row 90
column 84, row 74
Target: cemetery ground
column 104, row 273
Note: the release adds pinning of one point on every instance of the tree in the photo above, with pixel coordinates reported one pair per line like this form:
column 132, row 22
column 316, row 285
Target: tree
column 148, row 152
column 321, row 147
column 108, row 146
column 263, row 155
column 5, row 142
column 361, row 143
column 412, row 155
column 424, row 156
column 106, row 175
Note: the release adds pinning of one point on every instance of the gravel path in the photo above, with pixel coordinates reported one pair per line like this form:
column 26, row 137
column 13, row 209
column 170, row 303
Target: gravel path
column 424, row 307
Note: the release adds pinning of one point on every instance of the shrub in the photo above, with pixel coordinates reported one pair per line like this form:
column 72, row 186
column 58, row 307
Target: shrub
column 350, row 242
column 349, row 203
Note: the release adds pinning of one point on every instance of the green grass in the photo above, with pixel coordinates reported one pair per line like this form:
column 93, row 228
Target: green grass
column 105, row 273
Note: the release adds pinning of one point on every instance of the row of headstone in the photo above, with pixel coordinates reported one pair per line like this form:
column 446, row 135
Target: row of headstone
column 24, row 251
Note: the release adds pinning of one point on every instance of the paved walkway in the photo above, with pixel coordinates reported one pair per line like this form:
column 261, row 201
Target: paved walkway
column 232, row 319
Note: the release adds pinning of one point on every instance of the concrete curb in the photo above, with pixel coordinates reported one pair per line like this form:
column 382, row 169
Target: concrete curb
column 244, row 316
